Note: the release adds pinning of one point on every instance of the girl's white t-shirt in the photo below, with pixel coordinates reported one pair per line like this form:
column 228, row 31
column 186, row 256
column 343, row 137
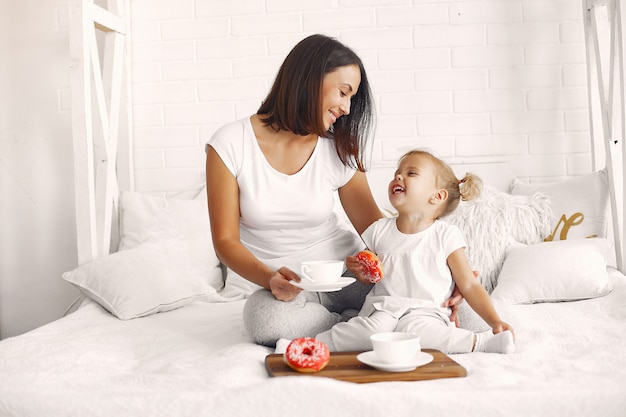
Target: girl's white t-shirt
column 416, row 273
column 286, row 219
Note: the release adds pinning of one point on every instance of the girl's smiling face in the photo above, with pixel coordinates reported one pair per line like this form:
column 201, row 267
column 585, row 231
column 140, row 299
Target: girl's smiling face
column 338, row 88
column 413, row 185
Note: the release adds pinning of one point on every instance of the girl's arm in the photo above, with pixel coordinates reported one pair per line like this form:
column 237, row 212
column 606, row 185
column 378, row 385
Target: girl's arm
column 473, row 291
column 223, row 200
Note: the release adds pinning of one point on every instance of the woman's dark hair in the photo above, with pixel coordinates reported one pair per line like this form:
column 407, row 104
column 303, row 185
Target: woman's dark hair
column 294, row 102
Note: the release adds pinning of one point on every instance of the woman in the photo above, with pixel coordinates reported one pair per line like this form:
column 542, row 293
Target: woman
column 271, row 180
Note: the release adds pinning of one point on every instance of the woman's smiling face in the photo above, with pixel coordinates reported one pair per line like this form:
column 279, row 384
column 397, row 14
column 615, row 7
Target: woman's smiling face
column 338, row 88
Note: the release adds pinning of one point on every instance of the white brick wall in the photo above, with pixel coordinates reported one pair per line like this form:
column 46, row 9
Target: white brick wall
column 473, row 80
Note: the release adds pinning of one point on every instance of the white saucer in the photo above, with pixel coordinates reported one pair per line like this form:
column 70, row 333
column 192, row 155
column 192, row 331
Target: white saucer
column 326, row 287
column 370, row 358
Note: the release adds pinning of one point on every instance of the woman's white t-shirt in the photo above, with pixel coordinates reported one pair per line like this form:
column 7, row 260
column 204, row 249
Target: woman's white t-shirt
column 286, row 219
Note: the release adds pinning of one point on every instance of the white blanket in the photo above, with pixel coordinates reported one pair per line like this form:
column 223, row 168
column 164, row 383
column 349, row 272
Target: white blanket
column 199, row 361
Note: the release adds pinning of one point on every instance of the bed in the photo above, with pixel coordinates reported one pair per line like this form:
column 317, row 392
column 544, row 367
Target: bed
column 158, row 330
column 158, row 334
column 198, row 361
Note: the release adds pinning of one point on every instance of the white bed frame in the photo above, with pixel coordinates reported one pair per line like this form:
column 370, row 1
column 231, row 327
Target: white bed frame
column 101, row 119
column 606, row 48
column 102, row 128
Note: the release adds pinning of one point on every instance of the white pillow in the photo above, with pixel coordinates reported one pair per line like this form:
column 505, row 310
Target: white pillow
column 495, row 221
column 565, row 270
column 146, row 217
column 150, row 278
column 579, row 205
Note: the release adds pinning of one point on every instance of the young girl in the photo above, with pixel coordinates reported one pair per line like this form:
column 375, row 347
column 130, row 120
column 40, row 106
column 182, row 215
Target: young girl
column 423, row 258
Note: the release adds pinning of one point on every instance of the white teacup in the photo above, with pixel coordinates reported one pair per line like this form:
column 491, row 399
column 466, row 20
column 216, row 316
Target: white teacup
column 395, row 347
column 322, row 272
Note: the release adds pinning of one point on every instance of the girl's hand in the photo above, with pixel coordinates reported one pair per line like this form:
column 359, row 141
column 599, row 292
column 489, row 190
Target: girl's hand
column 354, row 266
column 280, row 286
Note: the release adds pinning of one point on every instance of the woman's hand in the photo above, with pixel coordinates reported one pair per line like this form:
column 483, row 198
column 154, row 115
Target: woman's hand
column 280, row 286
column 454, row 302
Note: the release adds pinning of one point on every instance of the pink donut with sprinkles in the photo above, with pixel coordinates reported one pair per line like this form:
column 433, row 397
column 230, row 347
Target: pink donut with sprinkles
column 307, row 354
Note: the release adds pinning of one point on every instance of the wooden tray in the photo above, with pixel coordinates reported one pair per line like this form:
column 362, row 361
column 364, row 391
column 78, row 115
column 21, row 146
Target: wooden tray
column 345, row 367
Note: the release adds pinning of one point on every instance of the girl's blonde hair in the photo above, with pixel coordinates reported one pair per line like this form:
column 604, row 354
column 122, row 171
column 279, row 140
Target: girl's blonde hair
column 466, row 188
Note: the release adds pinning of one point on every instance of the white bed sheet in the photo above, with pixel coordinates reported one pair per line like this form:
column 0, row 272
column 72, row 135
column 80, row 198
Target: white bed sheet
column 199, row 361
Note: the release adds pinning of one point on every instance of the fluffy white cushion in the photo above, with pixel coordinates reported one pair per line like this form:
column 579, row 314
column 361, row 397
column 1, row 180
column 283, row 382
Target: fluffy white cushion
column 150, row 278
column 146, row 217
column 579, row 205
column 554, row 271
column 495, row 221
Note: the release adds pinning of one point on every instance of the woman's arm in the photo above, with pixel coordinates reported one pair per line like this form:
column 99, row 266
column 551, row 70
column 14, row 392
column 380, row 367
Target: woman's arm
column 223, row 200
column 358, row 202
column 473, row 291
